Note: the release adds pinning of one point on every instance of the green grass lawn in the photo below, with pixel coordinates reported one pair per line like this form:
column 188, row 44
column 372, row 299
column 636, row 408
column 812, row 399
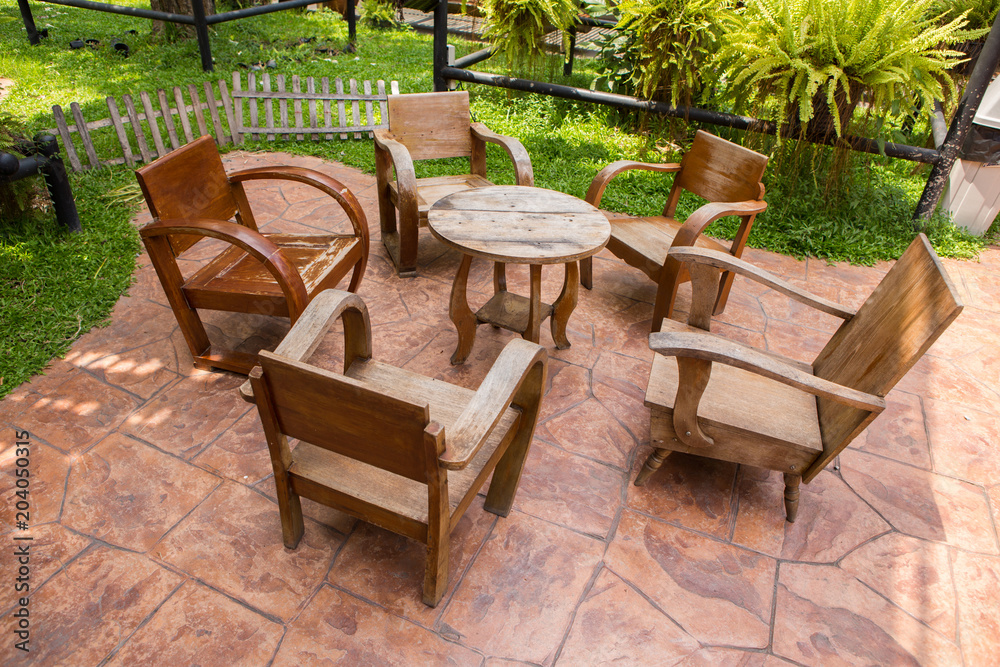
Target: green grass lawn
column 54, row 286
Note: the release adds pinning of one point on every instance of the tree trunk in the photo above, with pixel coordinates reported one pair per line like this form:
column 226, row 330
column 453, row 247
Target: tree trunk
column 178, row 7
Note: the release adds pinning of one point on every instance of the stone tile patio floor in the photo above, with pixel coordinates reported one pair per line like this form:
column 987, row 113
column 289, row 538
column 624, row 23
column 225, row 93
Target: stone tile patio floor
column 156, row 537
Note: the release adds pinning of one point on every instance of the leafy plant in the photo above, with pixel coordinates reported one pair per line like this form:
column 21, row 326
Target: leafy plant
column 26, row 197
column 796, row 59
column 379, row 14
column 517, row 28
column 978, row 14
column 663, row 48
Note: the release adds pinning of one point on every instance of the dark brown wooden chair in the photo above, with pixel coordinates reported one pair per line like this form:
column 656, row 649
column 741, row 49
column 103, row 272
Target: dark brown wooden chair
column 405, row 452
column 726, row 175
column 717, row 398
column 191, row 198
column 425, row 126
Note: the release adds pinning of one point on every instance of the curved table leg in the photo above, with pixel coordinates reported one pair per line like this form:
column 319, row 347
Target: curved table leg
column 564, row 305
column 534, row 304
column 460, row 313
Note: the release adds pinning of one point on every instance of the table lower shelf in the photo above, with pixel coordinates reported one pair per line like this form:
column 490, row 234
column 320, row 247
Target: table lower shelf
column 510, row 311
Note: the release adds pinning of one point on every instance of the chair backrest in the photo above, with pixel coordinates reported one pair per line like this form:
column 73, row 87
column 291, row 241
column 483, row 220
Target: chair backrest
column 900, row 320
column 189, row 182
column 719, row 170
column 342, row 415
column 432, row 125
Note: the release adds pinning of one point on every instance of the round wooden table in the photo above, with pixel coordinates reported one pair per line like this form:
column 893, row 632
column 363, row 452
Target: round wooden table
column 517, row 225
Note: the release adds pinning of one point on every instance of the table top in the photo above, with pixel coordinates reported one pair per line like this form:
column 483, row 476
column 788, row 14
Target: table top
column 518, row 224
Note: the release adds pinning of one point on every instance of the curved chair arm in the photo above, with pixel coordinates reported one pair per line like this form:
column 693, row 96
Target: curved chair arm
column 399, row 157
column 507, row 382
column 307, row 333
column 726, row 262
column 283, row 271
column 604, row 176
column 318, row 180
column 523, row 171
column 709, row 347
column 709, row 213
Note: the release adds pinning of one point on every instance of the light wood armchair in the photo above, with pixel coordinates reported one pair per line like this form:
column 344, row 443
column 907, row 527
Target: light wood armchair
column 425, row 126
column 405, row 452
column 191, row 198
column 717, row 398
column 728, row 176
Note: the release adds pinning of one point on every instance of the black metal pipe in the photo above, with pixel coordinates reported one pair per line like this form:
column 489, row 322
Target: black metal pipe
column 352, row 21
column 979, row 79
column 34, row 37
column 596, row 23
column 256, row 11
column 57, row 181
column 201, row 32
column 914, row 153
column 125, row 11
column 440, row 44
column 568, row 62
column 473, row 58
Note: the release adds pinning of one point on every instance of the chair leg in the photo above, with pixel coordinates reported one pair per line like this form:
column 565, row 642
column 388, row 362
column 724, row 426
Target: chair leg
column 357, row 275
column 507, row 474
column 666, row 294
column 792, row 496
column 290, row 510
column 409, row 231
column 651, row 465
column 436, row 571
column 587, row 272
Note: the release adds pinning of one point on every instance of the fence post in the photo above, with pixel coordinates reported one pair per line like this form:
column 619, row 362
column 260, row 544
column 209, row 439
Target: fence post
column 440, row 44
column 34, row 37
column 987, row 63
column 201, row 30
column 352, row 22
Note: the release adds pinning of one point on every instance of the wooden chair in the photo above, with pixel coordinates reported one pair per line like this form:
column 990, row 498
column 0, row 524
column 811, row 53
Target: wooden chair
column 373, row 441
column 191, row 197
column 725, row 400
column 425, row 126
column 727, row 175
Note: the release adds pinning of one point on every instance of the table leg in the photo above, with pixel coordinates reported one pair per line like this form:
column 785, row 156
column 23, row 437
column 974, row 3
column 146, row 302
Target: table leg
column 460, row 313
column 499, row 277
column 565, row 304
column 534, row 304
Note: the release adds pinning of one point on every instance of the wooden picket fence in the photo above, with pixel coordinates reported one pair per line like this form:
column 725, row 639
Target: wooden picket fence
column 248, row 110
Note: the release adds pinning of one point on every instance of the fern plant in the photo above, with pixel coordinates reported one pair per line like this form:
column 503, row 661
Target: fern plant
column 667, row 46
column 979, row 14
column 792, row 59
column 516, row 28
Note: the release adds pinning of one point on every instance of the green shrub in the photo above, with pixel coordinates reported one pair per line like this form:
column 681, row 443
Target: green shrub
column 791, row 59
column 380, row 15
column 978, row 14
column 516, row 28
column 663, row 49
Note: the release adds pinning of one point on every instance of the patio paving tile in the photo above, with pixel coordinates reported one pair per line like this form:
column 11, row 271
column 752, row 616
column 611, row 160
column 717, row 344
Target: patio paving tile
column 617, row 625
column 832, row 519
column 977, row 579
column 175, row 634
column 190, row 414
column 232, row 542
column 150, row 491
column 894, row 559
column 77, row 413
column 826, row 617
column 91, row 608
column 388, row 569
column 518, row 598
column 339, row 629
column 48, row 470
column 913, row 574
column 923, row 504
column 52, row 546
column 717, row 592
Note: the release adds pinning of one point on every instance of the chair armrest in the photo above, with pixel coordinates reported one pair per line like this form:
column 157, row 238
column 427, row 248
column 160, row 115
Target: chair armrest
column 499, row 390
column 523, row 172
column 709, row 213
column 399, row 157
column 307, row 333
column 727, row 262
column 709, row 347
column 604, row 176
column 318, row 180
column 254, row 243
